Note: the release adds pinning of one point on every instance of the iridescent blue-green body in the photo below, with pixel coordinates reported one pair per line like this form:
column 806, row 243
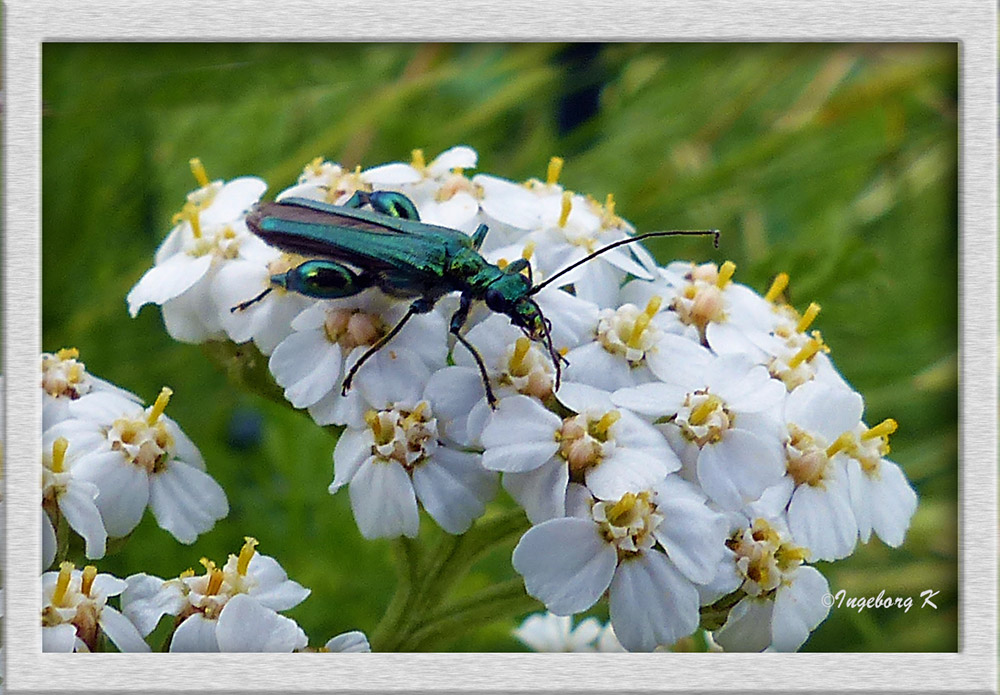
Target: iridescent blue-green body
column 388, row 247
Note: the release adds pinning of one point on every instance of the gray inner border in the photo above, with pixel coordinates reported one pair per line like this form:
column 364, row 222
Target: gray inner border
column 972, row 23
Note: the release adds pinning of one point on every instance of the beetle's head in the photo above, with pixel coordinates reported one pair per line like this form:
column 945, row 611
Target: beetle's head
column 509, row 295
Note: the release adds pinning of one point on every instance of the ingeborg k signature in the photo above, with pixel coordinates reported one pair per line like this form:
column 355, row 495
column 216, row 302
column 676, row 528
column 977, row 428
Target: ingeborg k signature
column 860, row 603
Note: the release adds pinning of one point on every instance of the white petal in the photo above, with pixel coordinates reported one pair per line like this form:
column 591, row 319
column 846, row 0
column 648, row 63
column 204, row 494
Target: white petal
column 738, row 468
column 164, row 282
column 274, row 589
column 395, row 174
column 457, row 157
column 566, row 564
column 581, row 397
column 149, row 598
column 748, row 627
column 821, row 519
column 453, row 392
column 59, row 638
column 124, row 489
column 593, row 365
column 824, row 410
column 383, row 501
column 186, row 501
column 520, row 436
column 391, row 376
column 693, row 535
column 680, row 362
column 246, row 626
column 542, row 491
column 651, row 603
column 354, row 447
column 508, row 202
column 798, row 609
column 121, row 631
column 896, row 503
column 354, row 641
column 653, row 399
column 573, row 318
column 308, row 366
column 49, row 543
column 195, row 634
column 78, row 506
column 454, row 487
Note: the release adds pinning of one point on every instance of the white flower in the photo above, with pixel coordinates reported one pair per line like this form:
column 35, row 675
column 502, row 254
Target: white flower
column 546, row 632
column 882, row 498
column 210, row 232
column 815, row 489
column 229, row 609
column 718, row 417
column 392, row 456
column 331, row 336
column 784, row 598
column 138, row 457
column 706, row 306
column 610, row 450
column 354, row 641
column 649, row 550
column 75, row 612
column 64, row 379
column 65, row 494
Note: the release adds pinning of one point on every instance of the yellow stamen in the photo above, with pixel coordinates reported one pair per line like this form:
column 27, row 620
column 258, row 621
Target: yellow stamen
column 806, row 353
column 59, row 447
column 503, row 263
column 601, row 427
column 417, row 160
column 844, row 442
column 554, row 170
column 563, row 351
column 528, row 251
column 521, row 348
column 198, row 169
column 640, row 325
column 207, row 564
column 883, row 429
column 725, row 274
column 609, row 206
column 189, row 572
column 246, row 554
column 374, row 424
column 62, row 583
column 315, row 166
column 653, row 305
column 357, row 170
column 621, row 508
column 214, row 582
column 68, row 354
column 702, row 411
column 416, row 415
column 777, row 287
column 567, row 205
column 159, row 406
column 788, row 555
column 75, row 372
column 807, row 318
column 89, row 573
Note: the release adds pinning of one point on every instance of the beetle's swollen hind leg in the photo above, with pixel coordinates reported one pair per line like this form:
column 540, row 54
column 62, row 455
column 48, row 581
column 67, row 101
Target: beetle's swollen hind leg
column 420, row 306
column 457, row 321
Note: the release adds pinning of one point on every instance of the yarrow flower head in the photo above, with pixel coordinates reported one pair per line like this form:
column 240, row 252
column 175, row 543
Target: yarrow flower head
column 64, row 379
column 233, row 608
column 75, row 612
column 136, row 457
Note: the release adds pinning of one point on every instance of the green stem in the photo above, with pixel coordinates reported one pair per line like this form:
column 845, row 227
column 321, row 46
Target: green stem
column 493, row 603
column 389, row 631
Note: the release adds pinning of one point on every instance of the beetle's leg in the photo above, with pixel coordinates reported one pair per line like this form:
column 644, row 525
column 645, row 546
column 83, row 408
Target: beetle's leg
column 479, row 236
column 419, row 306
column 250, row 302
column 457, row 321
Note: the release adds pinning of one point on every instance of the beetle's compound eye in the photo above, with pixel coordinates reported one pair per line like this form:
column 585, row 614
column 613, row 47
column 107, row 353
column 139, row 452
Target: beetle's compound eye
column 495, row 300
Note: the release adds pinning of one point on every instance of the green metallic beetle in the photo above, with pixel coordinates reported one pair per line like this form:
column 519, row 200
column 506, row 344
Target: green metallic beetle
column 388, row 247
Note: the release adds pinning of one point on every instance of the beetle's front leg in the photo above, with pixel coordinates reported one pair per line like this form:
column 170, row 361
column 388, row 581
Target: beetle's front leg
column 419, row 306
column 458, row 320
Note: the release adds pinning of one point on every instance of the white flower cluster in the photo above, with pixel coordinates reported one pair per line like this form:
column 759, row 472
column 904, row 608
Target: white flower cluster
column 700, row 449
column 106, row 457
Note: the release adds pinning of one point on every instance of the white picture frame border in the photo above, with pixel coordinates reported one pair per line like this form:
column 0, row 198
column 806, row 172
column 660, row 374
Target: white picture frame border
column 973, row 24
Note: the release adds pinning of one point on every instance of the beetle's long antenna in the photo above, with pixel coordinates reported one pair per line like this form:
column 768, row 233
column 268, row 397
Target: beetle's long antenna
column 623, row 242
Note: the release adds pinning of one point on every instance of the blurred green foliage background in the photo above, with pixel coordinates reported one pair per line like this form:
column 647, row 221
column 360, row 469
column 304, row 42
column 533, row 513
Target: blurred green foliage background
column 836, row 163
